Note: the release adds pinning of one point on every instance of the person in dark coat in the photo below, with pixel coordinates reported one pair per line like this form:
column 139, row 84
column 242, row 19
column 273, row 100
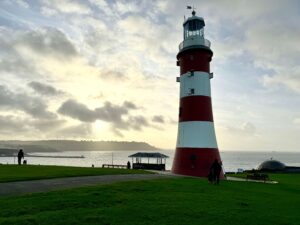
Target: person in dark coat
column 215, row 171
column 20, row 156
column 128, row 165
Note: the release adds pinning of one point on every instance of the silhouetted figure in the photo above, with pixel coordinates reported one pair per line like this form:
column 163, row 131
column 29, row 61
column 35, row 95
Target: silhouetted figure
column 128, row 165
column 215, row 171
column 20, row 156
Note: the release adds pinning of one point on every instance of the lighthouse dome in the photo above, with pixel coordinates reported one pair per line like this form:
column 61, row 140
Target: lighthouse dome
column 271, row 165
column 195, row 18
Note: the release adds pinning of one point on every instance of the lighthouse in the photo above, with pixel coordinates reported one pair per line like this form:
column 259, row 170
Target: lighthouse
column 196, row 147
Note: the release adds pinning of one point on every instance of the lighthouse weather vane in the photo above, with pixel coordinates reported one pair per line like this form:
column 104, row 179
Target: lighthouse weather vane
column 193, row 8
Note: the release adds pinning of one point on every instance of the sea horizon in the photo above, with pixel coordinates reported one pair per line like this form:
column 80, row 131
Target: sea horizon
column 232, row 160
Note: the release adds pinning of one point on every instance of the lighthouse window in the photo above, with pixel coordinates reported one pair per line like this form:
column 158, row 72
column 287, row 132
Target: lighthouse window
column 194, row 28
column 192, row 91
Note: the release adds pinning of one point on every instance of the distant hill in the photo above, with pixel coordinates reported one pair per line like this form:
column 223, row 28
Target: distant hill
column 72, row 145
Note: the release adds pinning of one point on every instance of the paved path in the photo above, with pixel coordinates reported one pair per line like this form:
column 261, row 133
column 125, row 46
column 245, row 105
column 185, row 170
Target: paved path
column 23, row 187
column 251, row 180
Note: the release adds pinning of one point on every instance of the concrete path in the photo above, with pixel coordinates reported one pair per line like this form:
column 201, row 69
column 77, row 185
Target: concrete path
column 250, row 180
column 24, row 187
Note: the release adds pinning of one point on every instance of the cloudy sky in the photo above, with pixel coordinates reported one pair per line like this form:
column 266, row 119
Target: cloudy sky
column 106, row 70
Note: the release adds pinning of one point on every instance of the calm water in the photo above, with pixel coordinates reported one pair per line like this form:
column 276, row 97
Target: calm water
column 231, row 160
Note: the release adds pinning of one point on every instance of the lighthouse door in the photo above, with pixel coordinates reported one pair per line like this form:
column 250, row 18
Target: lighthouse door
column 193, row 159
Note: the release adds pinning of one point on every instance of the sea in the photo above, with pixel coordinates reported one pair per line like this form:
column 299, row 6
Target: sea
column 232, row 160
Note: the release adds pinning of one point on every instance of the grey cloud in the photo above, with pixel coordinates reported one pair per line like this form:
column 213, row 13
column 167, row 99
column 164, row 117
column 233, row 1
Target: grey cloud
column 11, row 124
column 111, row 113
column 110, row 74
column 46, row 125
column 137, row 122
column 44, row 89
column 22, row 3
column 92, row 40
column 10, row 60
column 158, row 119
column 133, row 122
column 15, row 64
column 20, row 101
column 16, row 3
column 48, row 41
column 117, row 132
column 129, row 105
column 77, row 110
column 66, row 7
column 286, row 73
column 78, row 131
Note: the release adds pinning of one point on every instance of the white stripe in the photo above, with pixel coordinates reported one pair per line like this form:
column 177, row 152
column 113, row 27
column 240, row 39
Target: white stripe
column 200, row 82
column 196, row 134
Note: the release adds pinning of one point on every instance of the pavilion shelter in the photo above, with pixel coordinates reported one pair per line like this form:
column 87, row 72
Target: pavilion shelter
column 149, row 160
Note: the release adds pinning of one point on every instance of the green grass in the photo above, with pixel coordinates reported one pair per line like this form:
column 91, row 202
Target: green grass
column 182, row 201
column 29, row 172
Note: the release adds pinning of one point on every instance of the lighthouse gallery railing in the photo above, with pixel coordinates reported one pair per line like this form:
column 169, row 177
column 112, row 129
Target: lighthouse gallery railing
column 194, row 41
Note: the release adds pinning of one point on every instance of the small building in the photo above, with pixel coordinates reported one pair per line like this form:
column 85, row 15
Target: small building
column 149, row 160
column 277, row 166
column 272, row 165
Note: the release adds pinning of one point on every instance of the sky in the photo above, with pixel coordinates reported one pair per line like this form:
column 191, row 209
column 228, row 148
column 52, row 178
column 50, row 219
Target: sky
column 106, row 70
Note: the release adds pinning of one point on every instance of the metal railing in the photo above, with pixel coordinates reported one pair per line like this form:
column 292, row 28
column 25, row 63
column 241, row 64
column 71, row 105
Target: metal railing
column 194, row 41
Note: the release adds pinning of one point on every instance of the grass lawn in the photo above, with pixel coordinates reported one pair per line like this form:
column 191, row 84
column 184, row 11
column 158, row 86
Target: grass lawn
column 182, row 201
column 30, row 172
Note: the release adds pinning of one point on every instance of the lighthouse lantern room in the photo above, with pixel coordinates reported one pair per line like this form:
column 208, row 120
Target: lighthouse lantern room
column 196, row 147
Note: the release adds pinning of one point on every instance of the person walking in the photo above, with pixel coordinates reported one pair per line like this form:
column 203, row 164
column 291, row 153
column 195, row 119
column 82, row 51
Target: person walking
column 128, row 165
column 20, row 156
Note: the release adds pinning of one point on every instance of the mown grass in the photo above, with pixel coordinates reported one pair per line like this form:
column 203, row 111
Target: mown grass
column 31, row 172
column 182, row 201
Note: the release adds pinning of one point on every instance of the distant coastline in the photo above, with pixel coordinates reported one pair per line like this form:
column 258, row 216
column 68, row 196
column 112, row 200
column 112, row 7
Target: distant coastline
column 10, row 147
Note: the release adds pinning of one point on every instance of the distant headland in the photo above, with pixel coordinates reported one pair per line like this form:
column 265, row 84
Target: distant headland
column 9, row 146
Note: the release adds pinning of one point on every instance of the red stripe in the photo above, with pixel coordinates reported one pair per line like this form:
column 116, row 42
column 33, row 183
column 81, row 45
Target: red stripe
column 194, row 60
column 195, row 161
column 195, row 108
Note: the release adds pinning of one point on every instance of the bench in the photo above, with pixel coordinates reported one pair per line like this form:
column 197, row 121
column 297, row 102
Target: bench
column 114, row 166
column 258, row 176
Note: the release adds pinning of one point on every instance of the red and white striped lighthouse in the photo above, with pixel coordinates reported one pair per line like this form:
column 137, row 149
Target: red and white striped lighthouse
column 196, row 147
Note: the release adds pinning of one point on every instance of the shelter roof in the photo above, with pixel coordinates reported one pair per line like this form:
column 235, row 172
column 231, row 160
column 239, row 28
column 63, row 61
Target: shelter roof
column 148, row 155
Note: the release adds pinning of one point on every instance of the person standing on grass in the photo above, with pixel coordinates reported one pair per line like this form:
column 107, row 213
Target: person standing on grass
column 20, row 156
column 216, row 171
